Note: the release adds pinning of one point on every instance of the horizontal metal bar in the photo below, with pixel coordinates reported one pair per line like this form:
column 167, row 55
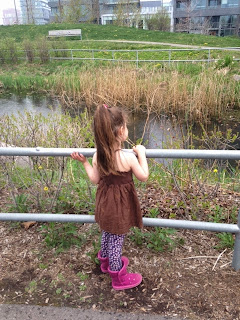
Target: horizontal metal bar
column 150, row 222
column 150, row 153
column 144, row 50
column 193, row 225
column 124, row 60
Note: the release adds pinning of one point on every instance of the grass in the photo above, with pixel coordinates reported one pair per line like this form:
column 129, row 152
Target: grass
column 108, row 32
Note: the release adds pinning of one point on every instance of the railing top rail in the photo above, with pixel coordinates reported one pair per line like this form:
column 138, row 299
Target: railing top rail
column 148, row 50
column 150, row 153
column 153, row 222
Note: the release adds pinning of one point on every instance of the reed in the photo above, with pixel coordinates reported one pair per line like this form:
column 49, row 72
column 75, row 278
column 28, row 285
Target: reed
column 195, row 96
column 201, row 97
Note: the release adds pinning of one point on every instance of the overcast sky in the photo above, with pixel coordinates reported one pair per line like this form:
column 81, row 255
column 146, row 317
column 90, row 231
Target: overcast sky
column 6, row 4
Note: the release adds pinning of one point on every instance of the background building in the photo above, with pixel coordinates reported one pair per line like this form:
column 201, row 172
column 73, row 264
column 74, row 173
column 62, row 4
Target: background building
column 215, row 17
column 135, row 11
column 35, row 11
column 11, row 16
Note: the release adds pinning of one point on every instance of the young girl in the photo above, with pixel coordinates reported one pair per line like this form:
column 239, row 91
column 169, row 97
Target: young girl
column 117, row 205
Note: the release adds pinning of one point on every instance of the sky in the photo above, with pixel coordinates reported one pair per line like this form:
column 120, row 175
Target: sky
column 6, row 4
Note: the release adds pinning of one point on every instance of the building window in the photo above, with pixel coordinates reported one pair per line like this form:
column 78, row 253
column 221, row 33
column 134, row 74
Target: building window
column 228, row 21
column 181, row 5
column 214, row 3
column 229, row 3
column 214, row 22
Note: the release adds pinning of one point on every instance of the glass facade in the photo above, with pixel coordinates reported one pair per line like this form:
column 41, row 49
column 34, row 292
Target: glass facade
column 200, row 4
column 229, row 3
column 35, row 11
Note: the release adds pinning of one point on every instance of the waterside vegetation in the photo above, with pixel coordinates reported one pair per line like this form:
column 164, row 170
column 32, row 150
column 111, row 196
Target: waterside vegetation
column 195, row 91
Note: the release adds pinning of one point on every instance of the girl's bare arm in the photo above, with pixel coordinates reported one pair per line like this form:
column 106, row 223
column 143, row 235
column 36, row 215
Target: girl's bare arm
column 91, row 170
column 140, row 166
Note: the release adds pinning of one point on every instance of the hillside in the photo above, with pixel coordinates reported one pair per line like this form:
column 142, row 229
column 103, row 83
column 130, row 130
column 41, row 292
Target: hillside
column 109, row 32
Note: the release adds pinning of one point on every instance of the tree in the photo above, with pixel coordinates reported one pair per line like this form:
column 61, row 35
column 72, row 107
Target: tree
column 72, row 11
column 159, row 21
column 192, row 23
column 28, row 11
column 126, row 13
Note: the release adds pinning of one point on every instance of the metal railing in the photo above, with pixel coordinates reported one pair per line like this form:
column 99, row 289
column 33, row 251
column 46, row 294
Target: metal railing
column 137, row 56
column 205, row 55
column 156, row 222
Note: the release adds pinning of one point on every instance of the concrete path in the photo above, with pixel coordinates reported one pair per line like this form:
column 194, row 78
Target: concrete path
column 183, row 46
column 27, row 312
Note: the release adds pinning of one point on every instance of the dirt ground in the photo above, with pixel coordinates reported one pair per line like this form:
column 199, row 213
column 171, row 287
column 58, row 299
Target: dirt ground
column 194, row 281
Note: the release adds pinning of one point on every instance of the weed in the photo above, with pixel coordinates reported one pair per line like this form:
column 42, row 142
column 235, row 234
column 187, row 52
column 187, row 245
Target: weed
column 153, row 212
column 82, row 276
column 218, row 215
column 96, row 247
column 158, row 239
column 82, row 287
column 42, row 46
column 223, row 63
column 61, row 277
column 226, row 240
column 21, row 204
column 31, row 287
column 58, row 291
column 62, row 236
column 29, row 50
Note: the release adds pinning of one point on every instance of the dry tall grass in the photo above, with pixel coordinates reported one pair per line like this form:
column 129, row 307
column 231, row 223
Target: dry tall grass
column 200, row 97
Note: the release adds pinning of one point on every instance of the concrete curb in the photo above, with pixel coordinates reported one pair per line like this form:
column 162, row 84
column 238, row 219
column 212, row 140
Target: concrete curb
column 30, row 312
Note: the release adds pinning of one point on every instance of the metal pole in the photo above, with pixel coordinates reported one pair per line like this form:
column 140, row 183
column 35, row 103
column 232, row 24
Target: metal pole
column 150, row 222
column 150, row 153
column 236, row 251
column 169, row 57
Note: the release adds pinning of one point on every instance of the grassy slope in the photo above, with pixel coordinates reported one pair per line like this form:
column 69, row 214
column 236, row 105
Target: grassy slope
column 99, row 32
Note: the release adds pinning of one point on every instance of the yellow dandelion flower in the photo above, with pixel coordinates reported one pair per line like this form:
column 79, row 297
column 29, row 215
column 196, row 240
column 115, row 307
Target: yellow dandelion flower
column 215, row 170
column 40, row 167
column 45, row 188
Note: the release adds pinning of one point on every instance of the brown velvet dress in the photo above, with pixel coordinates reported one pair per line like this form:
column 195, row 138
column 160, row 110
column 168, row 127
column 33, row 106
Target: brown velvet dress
column 117, row 204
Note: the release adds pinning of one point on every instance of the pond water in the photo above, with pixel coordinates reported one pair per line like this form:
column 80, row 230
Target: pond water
column 157, row 132
column 13, row 104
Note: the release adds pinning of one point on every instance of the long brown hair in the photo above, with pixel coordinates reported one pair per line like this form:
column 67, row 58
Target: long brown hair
column 107, row 122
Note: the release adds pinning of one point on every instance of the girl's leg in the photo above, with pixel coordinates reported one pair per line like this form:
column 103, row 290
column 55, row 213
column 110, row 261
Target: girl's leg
column 115, row 251
column 104, row 244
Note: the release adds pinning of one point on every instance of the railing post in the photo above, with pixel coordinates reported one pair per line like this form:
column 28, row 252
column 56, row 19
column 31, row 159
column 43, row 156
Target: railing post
column 137, row 58
column 113, row 57
column 209, row 55
column 169, row 56
column 236, row 251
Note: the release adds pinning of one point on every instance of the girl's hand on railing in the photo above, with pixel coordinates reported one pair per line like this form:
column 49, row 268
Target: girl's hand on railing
column 79, row 157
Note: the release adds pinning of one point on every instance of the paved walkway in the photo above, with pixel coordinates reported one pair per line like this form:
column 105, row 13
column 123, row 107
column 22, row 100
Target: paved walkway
column 27, row 312
column 183, row 46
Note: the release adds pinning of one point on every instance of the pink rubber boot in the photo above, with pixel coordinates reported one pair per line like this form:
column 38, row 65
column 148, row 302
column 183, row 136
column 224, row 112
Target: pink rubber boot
column 122, row 280
column 104, row 263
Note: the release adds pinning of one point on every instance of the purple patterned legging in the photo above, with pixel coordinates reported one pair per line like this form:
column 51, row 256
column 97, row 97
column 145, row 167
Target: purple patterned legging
column 111, row 247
